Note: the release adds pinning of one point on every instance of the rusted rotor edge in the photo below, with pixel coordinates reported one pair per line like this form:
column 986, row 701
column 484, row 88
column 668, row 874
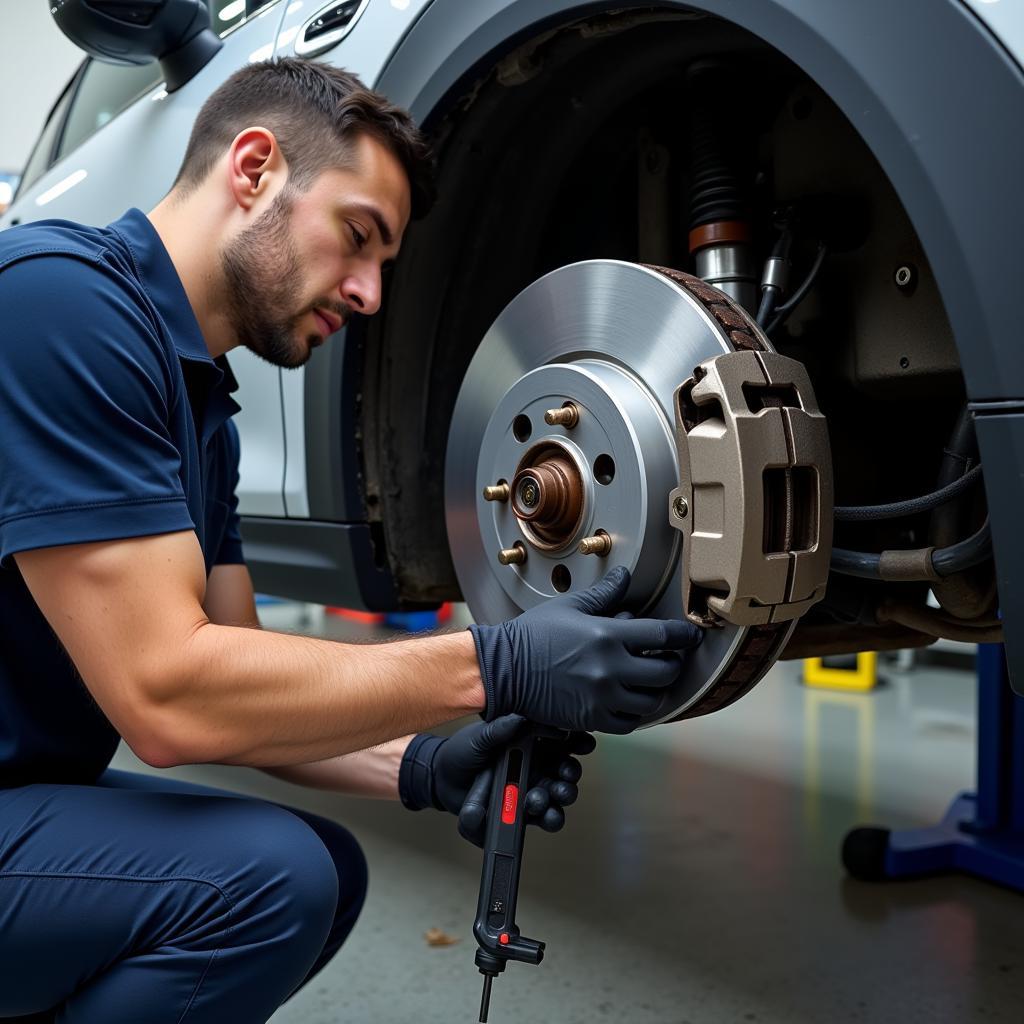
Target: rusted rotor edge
column 760, row 646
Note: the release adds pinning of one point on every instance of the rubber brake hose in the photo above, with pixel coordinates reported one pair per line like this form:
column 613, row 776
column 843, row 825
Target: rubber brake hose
column 942, row 561
column 897, row 509
column 965, row 553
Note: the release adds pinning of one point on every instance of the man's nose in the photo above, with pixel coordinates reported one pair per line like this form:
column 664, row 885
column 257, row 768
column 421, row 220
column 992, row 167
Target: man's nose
column 362, row 293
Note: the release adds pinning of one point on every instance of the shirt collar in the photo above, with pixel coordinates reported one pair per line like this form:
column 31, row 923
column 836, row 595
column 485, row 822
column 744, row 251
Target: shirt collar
column 163, row 285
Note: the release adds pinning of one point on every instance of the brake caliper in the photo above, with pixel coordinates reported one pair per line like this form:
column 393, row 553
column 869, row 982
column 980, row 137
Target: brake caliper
column 754, row 505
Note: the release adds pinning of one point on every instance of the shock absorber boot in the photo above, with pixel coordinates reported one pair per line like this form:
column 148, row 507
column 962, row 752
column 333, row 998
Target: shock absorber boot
column 719, row 208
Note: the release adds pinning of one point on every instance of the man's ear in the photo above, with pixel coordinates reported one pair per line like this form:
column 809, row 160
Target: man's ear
column 255, row 164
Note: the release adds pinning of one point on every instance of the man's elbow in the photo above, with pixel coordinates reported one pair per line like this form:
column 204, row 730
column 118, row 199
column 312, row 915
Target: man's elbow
column 162, row 743
column 155, row 753
column 158, row 720
column 157, row 737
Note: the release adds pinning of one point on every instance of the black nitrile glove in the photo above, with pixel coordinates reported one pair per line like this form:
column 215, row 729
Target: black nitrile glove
column 570, row 664
column 456, row 773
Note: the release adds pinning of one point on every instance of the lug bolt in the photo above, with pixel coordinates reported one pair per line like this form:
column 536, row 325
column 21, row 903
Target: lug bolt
column 599, row 544
column 568, row 416
column 514, row 555
column 497, row 492
column 680, row 508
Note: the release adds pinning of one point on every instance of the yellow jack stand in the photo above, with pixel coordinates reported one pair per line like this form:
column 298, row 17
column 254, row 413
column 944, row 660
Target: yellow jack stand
column 860, row 679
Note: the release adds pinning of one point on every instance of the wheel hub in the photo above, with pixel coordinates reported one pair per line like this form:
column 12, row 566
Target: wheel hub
column 547, row 496
column 573, row 481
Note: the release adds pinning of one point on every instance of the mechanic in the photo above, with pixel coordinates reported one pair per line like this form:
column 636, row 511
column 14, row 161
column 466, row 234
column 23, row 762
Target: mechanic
column 128, row 611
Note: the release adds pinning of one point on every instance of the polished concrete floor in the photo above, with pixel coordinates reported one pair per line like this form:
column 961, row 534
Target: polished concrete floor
column 698, row 880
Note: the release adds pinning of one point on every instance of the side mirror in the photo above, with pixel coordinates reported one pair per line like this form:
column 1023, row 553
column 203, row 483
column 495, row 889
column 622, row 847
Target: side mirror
column 175, row 32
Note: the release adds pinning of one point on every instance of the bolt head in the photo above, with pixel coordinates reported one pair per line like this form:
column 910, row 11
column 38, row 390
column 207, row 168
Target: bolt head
column 680, row 508
column 904, row 276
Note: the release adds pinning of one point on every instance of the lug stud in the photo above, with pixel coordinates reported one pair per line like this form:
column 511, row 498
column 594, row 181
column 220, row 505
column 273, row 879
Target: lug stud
column 514, row 555
column 496, row 492
column 568, row 416
column 599, row 544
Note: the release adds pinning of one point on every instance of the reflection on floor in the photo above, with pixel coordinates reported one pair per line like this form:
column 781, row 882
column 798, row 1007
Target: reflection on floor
column 698, row 880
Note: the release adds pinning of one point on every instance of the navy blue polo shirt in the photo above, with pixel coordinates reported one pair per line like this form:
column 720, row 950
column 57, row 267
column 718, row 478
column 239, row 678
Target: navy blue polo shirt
column 114, row 423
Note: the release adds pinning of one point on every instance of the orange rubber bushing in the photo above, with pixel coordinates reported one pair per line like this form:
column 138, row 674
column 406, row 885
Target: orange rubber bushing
column 720, row 232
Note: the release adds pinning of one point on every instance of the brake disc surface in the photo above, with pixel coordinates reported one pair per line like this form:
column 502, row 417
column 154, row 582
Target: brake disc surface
column 615, row 340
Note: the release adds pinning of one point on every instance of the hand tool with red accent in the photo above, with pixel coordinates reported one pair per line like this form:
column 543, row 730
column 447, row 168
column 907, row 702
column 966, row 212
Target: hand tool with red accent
column 495, row 926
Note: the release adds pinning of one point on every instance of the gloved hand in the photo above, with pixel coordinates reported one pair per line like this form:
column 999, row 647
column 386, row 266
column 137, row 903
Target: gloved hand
column 455, row 774
column 568, row 663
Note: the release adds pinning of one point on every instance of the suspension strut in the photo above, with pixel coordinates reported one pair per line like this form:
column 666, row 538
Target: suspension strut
column 720, row 221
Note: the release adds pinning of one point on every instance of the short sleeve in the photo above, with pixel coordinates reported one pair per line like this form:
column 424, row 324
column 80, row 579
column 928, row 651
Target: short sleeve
column 230, row 550
column 85, row 387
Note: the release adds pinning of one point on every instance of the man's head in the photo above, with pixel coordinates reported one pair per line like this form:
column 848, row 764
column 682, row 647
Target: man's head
column 316, row 177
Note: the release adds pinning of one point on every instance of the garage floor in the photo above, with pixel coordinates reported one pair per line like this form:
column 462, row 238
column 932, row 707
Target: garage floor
column 698, row 880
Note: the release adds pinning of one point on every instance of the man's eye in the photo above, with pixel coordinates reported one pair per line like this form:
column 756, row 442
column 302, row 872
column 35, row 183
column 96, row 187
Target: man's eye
column 357, row 238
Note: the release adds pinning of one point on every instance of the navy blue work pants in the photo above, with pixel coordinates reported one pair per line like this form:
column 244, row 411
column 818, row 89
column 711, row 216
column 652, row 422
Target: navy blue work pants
column 143, row 900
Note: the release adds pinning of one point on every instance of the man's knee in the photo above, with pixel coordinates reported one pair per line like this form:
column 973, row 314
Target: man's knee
column 350, row 867
column 286, row 884
column 351, row 874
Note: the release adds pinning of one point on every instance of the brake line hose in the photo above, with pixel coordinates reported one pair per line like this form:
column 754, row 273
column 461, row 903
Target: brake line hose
column 916, row 563
column 965, row 553
column 896, row 509
column 782, row 312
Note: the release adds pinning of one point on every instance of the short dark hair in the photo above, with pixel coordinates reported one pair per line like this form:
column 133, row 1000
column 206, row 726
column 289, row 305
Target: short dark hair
column 316, row 112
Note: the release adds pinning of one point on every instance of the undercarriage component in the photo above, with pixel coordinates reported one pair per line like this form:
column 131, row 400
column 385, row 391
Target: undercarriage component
column 613, row 341
column 909, row 564
column 756, row 469
column 971, row 593
column 934, row 623
column 720, row 229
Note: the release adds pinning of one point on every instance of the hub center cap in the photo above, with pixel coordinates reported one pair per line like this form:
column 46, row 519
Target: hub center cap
column 547, row 496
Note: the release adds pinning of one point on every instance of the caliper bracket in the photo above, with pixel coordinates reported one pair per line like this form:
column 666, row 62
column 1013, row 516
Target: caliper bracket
column 754, row 504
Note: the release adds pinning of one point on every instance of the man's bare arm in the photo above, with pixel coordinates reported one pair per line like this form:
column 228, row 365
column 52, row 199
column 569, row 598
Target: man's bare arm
column 183, row 690
column 372, row 772
column 230, row 600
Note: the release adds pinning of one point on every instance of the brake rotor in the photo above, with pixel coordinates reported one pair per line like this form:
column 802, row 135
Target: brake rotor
column 565, row 421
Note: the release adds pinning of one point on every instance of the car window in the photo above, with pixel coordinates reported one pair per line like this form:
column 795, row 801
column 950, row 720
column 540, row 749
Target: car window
column 42, row 153
column 107, row 89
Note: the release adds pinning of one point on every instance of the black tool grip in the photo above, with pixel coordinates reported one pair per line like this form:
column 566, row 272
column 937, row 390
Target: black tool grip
column 495, row 926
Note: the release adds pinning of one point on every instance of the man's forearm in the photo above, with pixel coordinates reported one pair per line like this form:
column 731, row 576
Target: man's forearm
column 372, row 772
column 244, row 696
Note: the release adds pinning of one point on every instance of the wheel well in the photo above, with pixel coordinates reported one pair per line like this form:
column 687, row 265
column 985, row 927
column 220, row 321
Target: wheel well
column 573, row 146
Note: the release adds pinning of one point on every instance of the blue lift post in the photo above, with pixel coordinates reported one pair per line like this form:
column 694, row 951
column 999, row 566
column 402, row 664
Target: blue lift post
column 982, row 833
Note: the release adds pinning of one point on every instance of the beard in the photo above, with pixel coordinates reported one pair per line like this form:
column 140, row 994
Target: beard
column 262, row 272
